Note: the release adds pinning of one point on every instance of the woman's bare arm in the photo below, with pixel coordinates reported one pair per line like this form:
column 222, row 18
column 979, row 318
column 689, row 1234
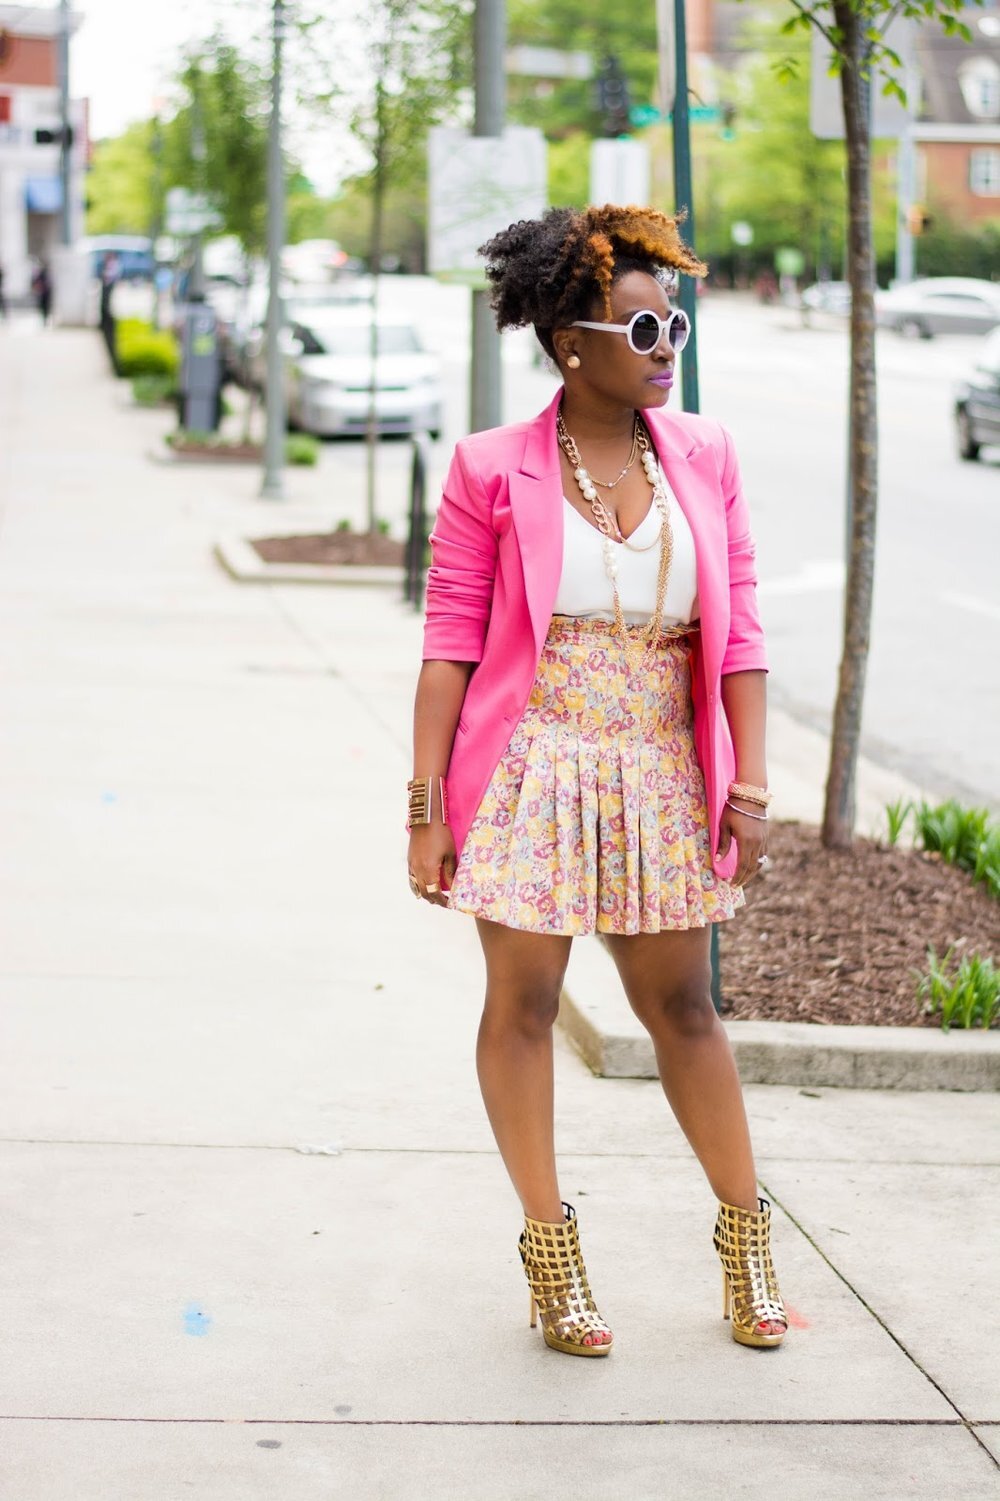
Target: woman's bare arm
column 744, row 698
column 440, row 695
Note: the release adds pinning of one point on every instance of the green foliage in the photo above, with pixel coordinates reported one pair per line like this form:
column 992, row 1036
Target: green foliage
column 560, row 106
column 969, row 997
column 121, row 185
column 896, row 815
column 569, row 170
column 950, row 249
column 153, row 390
column 217, row 142
column 965, row 837
column 301, row 448
column 141, row 349
column 343, row 525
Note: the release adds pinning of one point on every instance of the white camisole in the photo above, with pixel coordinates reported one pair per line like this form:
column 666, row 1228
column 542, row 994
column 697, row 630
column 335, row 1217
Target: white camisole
column 585, row 589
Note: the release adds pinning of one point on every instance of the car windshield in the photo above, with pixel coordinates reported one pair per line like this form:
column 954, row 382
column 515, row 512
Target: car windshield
column 355, row 342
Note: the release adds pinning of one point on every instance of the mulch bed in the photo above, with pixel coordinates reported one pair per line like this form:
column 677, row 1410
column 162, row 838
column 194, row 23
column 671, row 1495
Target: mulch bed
column 835, row 935
column 327, row 548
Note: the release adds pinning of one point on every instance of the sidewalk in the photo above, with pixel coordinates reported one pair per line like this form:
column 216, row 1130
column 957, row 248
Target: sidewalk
column 257, row 1242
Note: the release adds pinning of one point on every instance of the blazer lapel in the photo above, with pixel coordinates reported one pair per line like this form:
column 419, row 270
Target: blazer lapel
column 693, row 474
column 536, row 506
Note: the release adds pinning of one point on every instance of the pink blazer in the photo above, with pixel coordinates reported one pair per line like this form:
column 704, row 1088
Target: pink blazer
column 497, row 552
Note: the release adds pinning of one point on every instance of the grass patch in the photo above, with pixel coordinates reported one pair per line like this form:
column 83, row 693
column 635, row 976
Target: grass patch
column 966, row 997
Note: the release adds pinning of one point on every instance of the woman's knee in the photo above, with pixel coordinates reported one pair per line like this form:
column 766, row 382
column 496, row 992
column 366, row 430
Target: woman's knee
column 684, row 1007
column 529, row 1009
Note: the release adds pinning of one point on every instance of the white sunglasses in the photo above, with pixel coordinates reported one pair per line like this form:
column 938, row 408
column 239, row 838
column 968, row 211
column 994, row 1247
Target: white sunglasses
column 645, row 329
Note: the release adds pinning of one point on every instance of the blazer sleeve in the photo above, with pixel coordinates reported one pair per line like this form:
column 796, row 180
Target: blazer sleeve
column 745, row 650
column 463, row 567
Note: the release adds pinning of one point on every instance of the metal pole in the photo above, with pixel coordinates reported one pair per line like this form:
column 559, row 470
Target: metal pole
column 65, row 131
column 684, row 198
column 490, row 44
column 906, row 187
column 273, row 484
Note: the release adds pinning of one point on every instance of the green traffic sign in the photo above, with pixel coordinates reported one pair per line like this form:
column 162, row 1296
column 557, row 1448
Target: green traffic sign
column 698, row 114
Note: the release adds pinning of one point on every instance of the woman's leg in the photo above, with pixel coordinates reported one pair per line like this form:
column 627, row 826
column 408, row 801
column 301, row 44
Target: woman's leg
column 667, row 978
column 524, row 977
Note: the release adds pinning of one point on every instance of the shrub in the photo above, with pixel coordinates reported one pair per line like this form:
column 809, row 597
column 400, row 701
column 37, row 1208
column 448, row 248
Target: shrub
column 153, row 390
column 968, row 998
column 141, row 349
column 965, row 837
column 301, row 448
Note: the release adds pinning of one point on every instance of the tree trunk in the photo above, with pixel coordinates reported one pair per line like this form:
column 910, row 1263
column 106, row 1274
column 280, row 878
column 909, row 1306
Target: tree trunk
column 838, row 812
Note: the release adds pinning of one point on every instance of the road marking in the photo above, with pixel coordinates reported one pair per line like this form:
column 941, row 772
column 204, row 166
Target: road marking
column 970, row 602
column 813, row 576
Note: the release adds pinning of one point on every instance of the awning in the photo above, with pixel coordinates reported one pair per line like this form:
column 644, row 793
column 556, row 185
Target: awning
column 43, row 195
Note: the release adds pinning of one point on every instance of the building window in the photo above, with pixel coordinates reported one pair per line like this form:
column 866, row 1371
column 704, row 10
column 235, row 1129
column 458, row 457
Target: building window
column 980, row 82
column 984, row 172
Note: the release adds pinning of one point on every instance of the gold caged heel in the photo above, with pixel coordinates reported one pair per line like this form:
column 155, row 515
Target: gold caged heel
column 559, row 1290
column 750, row 1295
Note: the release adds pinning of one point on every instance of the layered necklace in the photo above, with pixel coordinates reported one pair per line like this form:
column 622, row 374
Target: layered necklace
column 637, row 642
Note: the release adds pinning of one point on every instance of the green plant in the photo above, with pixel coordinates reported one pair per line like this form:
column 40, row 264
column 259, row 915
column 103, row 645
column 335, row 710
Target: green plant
column 343, row 525
column 961, row 836
column 968, row 998
column 896, row 815
column 301, row 448
column 382, row 527
column 153, row 390
column 141, row 349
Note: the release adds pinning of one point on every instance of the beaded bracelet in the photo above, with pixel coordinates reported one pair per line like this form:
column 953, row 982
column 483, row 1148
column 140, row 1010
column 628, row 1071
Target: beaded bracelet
column 749, row 793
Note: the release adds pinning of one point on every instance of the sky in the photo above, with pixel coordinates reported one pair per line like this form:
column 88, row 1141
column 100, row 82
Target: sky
column 125, row 53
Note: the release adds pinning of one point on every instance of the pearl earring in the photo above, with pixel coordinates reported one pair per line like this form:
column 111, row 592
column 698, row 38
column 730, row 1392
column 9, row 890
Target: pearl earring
column 573, row 362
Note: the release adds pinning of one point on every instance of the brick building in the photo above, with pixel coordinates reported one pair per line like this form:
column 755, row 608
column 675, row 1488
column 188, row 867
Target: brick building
column 957, row 130
column 30, row 184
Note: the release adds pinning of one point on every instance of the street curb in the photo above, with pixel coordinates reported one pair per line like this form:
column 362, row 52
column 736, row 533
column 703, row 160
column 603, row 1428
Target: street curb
column 244, row 564
column 596, row 1017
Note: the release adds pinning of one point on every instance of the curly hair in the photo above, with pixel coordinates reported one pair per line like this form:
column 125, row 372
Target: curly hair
column 550, row 271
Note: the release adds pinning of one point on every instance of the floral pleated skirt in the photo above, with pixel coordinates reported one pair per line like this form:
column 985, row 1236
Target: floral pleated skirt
column 595, row 818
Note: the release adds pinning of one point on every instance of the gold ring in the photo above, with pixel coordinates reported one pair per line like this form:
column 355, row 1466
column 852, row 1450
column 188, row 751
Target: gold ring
column 434, row 889
column 414, row 885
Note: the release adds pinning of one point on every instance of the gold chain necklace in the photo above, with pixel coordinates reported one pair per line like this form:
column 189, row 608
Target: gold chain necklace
column 635, row 645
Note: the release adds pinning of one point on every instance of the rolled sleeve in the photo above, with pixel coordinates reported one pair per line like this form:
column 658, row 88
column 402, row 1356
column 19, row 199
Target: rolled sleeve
column 462, row 574
column 745, row 649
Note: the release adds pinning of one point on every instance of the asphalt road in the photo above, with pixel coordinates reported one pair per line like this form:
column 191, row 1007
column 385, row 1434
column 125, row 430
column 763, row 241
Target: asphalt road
column 932, row 707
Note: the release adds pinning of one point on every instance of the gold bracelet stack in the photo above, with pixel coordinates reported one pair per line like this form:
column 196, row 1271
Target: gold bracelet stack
column 759, row 796
column 420, row 797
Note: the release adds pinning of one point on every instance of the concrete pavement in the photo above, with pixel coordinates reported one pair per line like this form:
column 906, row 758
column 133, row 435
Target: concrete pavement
column 256, row 1241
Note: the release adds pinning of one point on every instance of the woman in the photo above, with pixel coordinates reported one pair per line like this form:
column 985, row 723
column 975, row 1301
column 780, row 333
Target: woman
column 589, row 728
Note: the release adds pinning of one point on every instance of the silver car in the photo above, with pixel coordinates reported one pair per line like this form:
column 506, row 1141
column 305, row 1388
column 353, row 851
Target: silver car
column 329, row 373
column 977, row 401
column 940, row 305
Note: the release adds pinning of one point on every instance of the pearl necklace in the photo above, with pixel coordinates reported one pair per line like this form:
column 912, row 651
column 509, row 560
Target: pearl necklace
column 635, row 646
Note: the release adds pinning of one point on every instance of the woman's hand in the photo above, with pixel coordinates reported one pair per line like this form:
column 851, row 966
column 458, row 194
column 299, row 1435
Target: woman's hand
column 750, row 834
column 431, row 861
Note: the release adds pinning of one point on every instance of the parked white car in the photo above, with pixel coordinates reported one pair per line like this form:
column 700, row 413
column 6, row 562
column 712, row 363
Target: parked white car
column 330, row 376
column 940, row 305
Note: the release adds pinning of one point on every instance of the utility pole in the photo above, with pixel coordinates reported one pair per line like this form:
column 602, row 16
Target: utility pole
column 273, row 485
column 490, row 45
column 684, row 197
column 65, row 126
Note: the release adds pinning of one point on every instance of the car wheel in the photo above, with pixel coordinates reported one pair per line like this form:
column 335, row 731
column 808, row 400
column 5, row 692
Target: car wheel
column 967, row 447
column 912, row 328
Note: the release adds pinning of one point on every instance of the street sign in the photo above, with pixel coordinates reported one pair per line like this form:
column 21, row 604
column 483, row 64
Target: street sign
column 699, row 114
column 619, row 171
column 188, row 213
column 479, row 185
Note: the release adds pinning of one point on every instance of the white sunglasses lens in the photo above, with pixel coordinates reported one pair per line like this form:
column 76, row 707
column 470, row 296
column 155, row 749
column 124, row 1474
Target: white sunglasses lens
column 680, row 328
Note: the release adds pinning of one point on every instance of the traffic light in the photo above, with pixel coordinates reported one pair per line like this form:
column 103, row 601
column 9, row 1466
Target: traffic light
column 612, row 98
column 918, row 220
column 53, row 135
